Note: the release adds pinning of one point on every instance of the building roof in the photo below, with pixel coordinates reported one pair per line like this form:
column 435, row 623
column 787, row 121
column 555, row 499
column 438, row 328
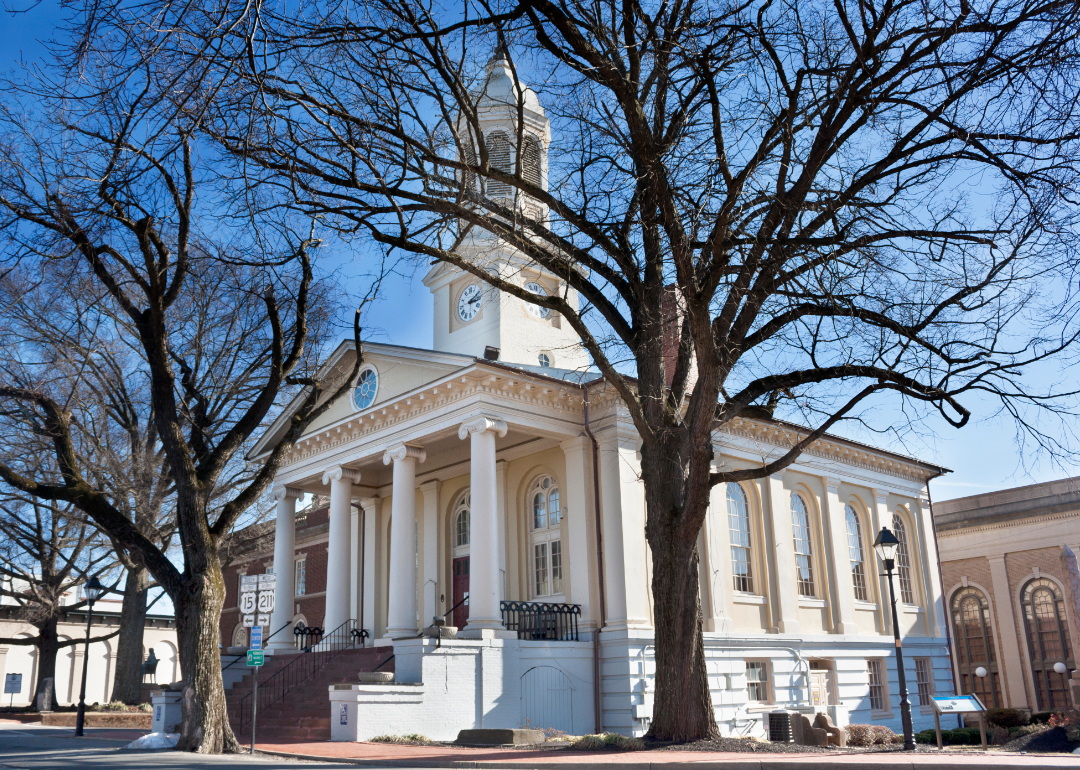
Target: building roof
column 1017, row 503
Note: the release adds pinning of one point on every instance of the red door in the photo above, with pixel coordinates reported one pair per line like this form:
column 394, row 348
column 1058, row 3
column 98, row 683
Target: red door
column 461, row 590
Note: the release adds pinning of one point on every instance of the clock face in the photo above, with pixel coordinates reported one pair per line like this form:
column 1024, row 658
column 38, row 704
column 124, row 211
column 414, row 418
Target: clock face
column 537, row 310
column 469, row 303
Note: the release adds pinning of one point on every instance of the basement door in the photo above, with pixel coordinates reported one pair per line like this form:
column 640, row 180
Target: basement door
column 461, row 591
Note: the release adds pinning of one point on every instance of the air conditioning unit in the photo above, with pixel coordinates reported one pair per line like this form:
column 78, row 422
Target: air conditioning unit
column 780, row 726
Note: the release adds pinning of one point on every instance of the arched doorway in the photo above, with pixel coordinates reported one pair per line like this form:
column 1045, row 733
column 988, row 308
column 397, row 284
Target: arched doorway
column 1047, row 629
column 975, row 646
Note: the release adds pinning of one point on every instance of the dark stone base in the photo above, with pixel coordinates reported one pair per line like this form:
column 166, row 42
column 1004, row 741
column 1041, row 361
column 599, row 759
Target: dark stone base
column 500, row 737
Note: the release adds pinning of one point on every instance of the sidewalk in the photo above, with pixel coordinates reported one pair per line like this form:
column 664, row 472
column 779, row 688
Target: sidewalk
column 390, row 755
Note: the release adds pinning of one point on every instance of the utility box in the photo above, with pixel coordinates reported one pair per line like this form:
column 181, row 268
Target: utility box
column 839, row 715
column 167, row 711
column 780, row 726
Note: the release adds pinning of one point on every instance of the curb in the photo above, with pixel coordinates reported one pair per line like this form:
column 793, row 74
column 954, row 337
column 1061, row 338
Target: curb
column 778, row 763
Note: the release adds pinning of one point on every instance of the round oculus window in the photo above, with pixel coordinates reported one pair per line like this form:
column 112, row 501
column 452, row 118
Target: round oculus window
column 537, row 310
column 366, row 386
column 544, row 359
column 469, row 302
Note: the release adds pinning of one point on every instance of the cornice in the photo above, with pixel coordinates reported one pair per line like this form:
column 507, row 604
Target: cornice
column 838, row 451
column 960, row 531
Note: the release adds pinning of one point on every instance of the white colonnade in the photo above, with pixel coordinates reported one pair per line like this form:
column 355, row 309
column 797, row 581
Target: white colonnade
column 338, row 592
column 401, row 612
column 284, row 546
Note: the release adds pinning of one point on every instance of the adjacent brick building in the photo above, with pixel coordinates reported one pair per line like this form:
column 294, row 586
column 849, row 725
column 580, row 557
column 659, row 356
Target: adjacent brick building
column 1009, row 572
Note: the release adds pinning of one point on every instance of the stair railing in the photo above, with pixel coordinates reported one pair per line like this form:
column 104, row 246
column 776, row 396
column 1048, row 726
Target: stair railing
column 239, row 658
column 301, row 668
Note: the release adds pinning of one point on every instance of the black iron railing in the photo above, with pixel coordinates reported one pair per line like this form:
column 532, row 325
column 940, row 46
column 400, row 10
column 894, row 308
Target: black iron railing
column 300, row 668
column 307, row 637
column 540, row 620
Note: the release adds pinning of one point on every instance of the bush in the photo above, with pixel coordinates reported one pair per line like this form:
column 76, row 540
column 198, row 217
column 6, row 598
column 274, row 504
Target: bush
column 1042, row 718
column 860, row 735
column 961, row 736
column 611, row 741
column 882, row 735
column 412, row 739
column 1007, row 718
column 1022, row 730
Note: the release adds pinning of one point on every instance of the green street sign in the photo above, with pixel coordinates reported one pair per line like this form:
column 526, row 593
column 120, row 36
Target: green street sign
column 254, row 657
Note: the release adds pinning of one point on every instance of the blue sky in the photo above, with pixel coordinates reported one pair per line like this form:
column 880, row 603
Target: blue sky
column 983, row 455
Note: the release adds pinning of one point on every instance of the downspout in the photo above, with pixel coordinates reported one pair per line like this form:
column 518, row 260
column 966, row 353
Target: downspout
column 941, row 582
column 598, row 712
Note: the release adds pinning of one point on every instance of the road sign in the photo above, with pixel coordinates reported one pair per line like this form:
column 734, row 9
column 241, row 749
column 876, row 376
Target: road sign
column 256, row 638
column 12, row 683
column 266, row 582
column 262, row 620
column 254, row 658
column 249, row 621
column 265, row 603
column 248, row 583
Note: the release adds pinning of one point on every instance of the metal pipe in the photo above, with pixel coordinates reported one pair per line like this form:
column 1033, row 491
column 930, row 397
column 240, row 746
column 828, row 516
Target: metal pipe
column 598, row 712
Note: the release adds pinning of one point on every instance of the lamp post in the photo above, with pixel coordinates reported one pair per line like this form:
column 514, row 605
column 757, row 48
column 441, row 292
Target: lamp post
column 885, row 546
column 93, row 590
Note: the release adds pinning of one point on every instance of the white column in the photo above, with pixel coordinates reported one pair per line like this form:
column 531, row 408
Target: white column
column 401, row 614
column 718, row 544
column 354, row 562
column 367, row 615
column 579, row 517
column 924, row 550
column 782, row 548
column 879, row 517
column 340, row 480
column 1007, row 632
column 429, row 553
column 485, row 619
column 284, row 550
column 840, row 587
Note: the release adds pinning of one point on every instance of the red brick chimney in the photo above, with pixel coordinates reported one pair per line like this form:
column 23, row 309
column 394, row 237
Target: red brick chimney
column 672, row 307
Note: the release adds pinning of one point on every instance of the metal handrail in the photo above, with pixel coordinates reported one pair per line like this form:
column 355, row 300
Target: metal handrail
column 238, row 658
column 541, row 620
column 301, row 668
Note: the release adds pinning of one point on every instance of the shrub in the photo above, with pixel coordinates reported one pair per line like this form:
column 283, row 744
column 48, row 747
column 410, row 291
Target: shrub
column 610, row 741
column 1007, row 718
column 999, row 736
column 411, row 739
column 882, row 735
column 860, row 735
column 1042, row 718
column 961, row 736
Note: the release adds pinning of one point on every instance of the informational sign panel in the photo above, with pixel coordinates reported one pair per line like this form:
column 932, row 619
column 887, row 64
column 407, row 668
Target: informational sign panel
column 256, row 638
column 254, row 658
column 958, row 704
column 12, row 683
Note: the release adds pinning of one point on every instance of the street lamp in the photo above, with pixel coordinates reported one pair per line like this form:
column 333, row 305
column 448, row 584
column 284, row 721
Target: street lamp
column 886, row 546
column 93, row 590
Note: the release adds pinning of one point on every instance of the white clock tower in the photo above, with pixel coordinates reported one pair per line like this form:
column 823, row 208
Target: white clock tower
column 470, row 315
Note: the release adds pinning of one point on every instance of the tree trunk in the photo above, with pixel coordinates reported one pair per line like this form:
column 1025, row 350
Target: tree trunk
column 47, row 647
column 127, row 687
column 676, row 499
column 205, row 727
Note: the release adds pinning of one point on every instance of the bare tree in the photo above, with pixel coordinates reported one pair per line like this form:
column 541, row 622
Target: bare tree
column 103, row 180
column 48, row 551
column 852, row 204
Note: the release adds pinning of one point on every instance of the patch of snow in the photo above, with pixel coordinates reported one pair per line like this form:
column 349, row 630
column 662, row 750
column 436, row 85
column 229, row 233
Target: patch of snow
column 155, row 741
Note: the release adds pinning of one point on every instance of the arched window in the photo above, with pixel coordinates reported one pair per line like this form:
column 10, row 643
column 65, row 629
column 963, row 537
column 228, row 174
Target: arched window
column 461, row 523
column 499, row 154
column 530, row 161
column 804, row 558
column 739, row 531
column 1048, row 642
column 975, row 645
column 856, row 555
column 239, row 637
column 903, row 559
column 545, row 514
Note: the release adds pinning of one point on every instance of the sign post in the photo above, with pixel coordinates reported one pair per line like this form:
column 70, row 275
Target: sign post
column 958, row 704
column 12, row 685
column 256, row 604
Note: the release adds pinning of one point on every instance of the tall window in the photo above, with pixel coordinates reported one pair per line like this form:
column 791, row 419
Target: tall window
column 545, row 512
column 757, row 681
column 975, row 645
column 856, row 555
column 499, row 152
column 875, row 669
column 1048, row 642
column 739, row 529
column 924, row 680
column 800, row 527
column 300, row 576
column 461, row 521
column 903, row 560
